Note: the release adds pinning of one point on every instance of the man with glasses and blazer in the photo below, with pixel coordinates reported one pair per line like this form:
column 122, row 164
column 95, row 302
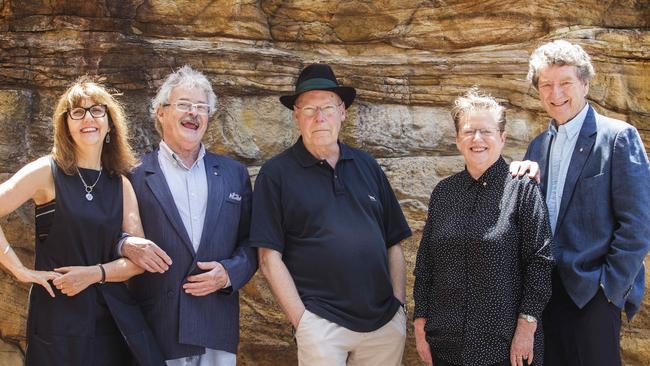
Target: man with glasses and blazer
column 195, row 205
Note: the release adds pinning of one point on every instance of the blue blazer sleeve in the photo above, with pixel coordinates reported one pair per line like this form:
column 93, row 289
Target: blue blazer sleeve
column 630, row 180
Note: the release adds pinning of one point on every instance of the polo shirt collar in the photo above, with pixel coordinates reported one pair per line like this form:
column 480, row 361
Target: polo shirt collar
column 306, row 159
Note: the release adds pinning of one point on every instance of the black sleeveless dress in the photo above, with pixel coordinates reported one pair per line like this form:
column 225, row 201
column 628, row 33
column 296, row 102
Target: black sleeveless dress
column 101, row 325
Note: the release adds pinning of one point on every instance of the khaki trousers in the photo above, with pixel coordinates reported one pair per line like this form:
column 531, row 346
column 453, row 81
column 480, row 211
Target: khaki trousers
column 323, row 343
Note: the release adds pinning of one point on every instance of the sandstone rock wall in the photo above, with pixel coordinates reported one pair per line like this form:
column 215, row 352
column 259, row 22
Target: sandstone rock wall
column 408, row 60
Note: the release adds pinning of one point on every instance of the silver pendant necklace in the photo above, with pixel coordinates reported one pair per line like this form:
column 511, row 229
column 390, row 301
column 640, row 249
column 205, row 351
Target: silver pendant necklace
column 89, row 189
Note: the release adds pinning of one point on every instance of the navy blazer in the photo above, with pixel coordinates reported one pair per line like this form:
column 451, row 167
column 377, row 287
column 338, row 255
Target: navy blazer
column 603, row 227
column 184, row 324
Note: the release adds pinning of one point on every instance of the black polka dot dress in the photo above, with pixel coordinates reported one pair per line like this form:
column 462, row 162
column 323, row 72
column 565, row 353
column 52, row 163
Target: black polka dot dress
column 485, row 257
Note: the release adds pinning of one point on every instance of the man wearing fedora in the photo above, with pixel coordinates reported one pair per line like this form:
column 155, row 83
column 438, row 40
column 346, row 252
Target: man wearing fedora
column 328, row 227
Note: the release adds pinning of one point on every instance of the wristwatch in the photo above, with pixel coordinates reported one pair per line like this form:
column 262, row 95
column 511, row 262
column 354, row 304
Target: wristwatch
column 528, row 318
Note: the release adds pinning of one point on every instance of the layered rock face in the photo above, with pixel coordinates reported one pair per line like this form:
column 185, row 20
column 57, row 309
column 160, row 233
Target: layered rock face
column 408, row 60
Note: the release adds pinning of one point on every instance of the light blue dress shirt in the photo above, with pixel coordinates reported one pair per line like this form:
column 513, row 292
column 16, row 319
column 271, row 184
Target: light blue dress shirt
column 189, row 188
column 564, row 141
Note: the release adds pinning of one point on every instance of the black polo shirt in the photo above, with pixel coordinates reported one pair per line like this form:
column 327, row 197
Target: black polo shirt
column 333, row 228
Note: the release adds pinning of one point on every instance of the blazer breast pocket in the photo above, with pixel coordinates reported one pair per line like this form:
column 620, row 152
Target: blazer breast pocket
column 233, row 201
column 594, row 179
column 231, row 210
column 594, row 187
column 593, row 202
column 234, row 198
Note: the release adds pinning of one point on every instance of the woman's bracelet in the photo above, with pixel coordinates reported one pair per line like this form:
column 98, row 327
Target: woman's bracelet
column 103, row 280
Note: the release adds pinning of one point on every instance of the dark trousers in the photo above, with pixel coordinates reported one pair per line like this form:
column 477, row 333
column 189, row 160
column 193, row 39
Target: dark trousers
column 581, row 337
column 439, row 362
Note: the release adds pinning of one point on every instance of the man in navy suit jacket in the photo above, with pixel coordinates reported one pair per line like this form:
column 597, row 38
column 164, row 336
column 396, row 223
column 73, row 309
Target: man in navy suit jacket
column 195, row 206
column 596, row 179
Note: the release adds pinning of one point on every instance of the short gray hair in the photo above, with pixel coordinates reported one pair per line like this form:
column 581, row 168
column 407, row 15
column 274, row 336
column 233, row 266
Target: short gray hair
column 561, row 53
column 185, row 76
column 474, row 101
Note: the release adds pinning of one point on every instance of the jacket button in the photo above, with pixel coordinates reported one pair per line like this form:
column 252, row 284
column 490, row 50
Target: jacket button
column 170, row 293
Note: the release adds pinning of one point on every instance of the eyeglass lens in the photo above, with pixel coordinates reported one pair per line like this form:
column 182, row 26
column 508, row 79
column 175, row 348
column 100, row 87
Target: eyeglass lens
column 326, row 110
column 96, row 110
column 201, row 108
column 471, row 132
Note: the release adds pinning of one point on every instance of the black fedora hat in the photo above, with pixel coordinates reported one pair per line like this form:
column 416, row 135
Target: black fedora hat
column 319, row 77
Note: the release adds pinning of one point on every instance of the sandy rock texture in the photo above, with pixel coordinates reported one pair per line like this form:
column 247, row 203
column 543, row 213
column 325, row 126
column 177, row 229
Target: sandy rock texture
column 408, row 60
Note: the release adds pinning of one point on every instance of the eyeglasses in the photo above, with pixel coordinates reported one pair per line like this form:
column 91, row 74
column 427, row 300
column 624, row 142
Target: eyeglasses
column 327, row 110
column 96, row 110
column 201, row 108
column 484, row 132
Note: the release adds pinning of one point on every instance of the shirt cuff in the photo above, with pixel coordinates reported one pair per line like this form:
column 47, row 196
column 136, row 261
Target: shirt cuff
column 118, row 247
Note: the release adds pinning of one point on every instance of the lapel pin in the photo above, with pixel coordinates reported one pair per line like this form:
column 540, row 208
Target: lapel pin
column 581, row 149
column 215, row 172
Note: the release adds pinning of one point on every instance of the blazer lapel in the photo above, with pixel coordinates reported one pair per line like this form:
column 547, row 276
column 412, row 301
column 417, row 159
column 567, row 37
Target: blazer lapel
column 543, row 161
column 215, row 196
column 579, row 157
column 156, row 181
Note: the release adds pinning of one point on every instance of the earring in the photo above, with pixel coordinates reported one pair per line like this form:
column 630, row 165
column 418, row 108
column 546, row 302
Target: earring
column 108, row 138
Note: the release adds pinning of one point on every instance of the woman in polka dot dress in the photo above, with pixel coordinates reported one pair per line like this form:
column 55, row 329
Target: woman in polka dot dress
column 483, row 271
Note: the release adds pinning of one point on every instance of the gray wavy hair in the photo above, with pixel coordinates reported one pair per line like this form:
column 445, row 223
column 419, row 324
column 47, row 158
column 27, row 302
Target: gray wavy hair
column 561, row 53
column 476, row 101
column 185, row 76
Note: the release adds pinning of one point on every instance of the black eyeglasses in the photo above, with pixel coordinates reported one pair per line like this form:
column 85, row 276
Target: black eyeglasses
column 96, row 110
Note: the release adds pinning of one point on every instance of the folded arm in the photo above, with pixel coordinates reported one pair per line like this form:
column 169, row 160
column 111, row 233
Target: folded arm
column 141, row 254
column 74, row 279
